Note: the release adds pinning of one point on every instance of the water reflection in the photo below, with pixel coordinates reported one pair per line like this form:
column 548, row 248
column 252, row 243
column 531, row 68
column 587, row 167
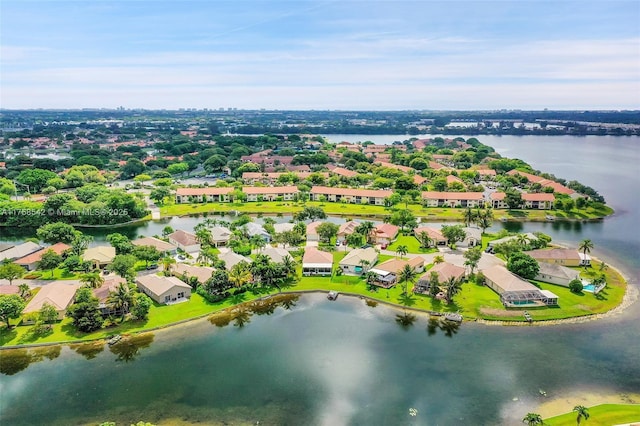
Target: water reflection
column 13, row 361
column 241, row 314
column 406, row 320
column 89, row 350
column 128, row 348
column 449, row 328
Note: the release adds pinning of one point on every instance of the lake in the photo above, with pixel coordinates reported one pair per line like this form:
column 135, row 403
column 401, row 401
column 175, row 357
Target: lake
column 345, row 363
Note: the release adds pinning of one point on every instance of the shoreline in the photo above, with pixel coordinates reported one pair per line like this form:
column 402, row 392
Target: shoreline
column 564, row 404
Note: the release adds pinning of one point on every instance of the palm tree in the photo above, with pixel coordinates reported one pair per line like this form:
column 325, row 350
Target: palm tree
column 203, row 236
column 484, row 219
column 167, row 264
column 522, row 239
column 438, row 259
column 401, row 250
column 25, row 291
column 258, row 242
column 533, row 419
column 121, row 299
column 407, row 275
column 366, row 228
column 585, row 246
column 468, row 216
column 240, row 274
column 424, row 239
column 289, row 266
column 583, row 412
column 452, row 288
column 603, row 267
column 93, row 279
column 364, row 263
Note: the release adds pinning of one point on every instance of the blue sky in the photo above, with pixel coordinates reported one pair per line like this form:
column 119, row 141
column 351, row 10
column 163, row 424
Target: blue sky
column 372, row 55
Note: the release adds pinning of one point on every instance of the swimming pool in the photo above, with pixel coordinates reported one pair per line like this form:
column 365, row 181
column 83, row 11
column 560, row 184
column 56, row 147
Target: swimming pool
column 589, row 288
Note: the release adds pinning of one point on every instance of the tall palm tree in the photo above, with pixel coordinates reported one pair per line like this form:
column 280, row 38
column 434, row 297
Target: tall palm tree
column 240, row 274
column 167, row 264
column 452, row 288
column 289, row 266
column 468, row 216
column 407, row 275
column 366, row 228
column 583, row 412
column 364, row 263
column 93, row 279
column 585, row 246
column 424, row 239
column 258, row 242
column 533, row 419
column 484, row 219
column 438, row 259
column 203, row 236
column 522, row 239
column 401, row 250
column 121, row 299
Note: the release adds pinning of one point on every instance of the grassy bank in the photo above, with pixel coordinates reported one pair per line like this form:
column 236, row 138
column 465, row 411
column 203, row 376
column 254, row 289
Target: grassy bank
column 605, row 414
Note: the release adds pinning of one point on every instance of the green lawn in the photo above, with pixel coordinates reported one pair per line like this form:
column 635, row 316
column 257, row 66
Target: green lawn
column 605, row 414
column 58, row 274
column 412, row 245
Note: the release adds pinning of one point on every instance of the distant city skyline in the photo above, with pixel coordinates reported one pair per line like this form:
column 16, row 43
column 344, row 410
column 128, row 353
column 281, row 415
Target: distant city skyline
column 347, row 55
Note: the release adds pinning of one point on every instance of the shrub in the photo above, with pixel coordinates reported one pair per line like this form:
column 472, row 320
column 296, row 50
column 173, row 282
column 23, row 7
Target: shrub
column 575, row 286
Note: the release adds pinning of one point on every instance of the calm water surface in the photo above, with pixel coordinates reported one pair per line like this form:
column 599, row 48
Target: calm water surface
column 345, row 363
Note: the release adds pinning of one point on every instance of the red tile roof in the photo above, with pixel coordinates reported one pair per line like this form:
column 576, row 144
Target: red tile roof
column 325, row 190
column 204, row 191
column 433, row 195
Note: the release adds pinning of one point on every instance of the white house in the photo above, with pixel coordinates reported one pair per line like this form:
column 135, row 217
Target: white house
column 316, row 262
column 359, row 261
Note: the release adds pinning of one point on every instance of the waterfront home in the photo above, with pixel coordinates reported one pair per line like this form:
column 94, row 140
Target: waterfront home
column 497, row 200
column 514, row 291
column 164, row 290
column 230, row 259
column 184, row 240
column 255, row 229
column 282, row 227
column 276, row 254
column 387, row 272
column 473, row 237
column 358, row 261
column 557, row 187
column 384, row 233
column 59, row 294
column 316, row 262
column 99, row 256
column 350, row 195
column 435, row 236
column 444, row 271
column 30, row 262
column 102, row 293
column 202, row 273
column 270, row 193
column 541, row 201
column 529, row 237
column 19, row 251
column 5, row 246
column 556, row 274
column 220, row 236
column 561, row 256
column 161, row 246
column 452, row 199
column 209, row 194
column 312, row 233
column 346, row 229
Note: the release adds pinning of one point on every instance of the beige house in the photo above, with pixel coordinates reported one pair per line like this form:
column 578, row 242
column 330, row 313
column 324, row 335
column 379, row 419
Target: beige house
column 359, row 261
column 184, row 240
column 514, row 291
column 276, row 254
column 435, row 236
column 540, row 201
column 102, row 293
column 387, row 272
column 347, row 229
column 316, row 262
column 99, row 256
column 202, row 273
column 444, row 271
column 452, row 199
column 350, row 195
column 58, row 294
column 560, row 256
column 164, row 290
column 230, row 259
column 220, row 236
column 161, row 246
column 384, row 233
column 270, row 193
column 556, row 274
column 312, row 233
column 199, row 195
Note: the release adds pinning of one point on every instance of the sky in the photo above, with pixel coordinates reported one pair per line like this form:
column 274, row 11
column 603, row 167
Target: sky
column 338, row 55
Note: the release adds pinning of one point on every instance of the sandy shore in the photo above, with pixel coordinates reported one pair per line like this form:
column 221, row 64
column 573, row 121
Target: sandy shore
column 565, row 404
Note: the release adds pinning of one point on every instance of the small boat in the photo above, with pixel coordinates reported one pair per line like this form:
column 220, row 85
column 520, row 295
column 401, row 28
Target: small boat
column 115, row 339
column 543, row 393
column 452, row 316
column 550, row 218
column 527, row 316
column 333, row 295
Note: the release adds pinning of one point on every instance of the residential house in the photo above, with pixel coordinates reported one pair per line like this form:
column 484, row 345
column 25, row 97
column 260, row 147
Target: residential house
column 498, row 200
column 473, row 237
column 436, row 237
column 270, row 193
column 541, row 201
column 220, row 236
column 350, row 195
column 384, row 233
column 184, row 240
column 312, row 233
column 341, row 171
column 279, row 228
column 388, row 165
column 359, row 261
column 445, row 271
column 455, row 179
column 231, row 259
column 419, row 180
column 164, row 290
column 99, row 256
column 102, row 293
column 208, row 194
column 486, row 174
column 557, row 187
column 528, row 236
column 185, row 272
column 161, row 246
column 59, row 294
column 254, row 229
column 387, row 272
column 276, row 254
column 561, row 256
column 347, row 229
column 452, row 199
column 557, row 274
column 30, row 262
column 316, row 262
column 19, row 251
column 5, row 246
column 514, row 291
